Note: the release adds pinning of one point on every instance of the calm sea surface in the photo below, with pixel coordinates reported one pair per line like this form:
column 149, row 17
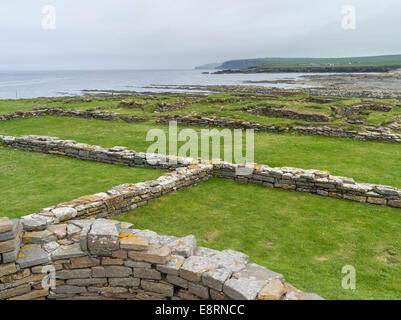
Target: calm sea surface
column 31, row 84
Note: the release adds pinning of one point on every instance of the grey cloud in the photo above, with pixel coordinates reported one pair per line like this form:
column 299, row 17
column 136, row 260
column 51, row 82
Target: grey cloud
column 139, row 34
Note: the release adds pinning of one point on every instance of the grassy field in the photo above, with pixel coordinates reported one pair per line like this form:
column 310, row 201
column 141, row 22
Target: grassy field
column 369, row 61
column 227, row 105
column 306, row 237
column 370, row 162
column 32, row 181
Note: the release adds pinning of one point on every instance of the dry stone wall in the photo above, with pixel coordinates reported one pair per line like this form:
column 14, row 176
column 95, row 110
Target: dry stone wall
column 371, row 133
column 281, row 112
column 320, row 130
column 311, row 181
column 96, row 258
column 85, row 114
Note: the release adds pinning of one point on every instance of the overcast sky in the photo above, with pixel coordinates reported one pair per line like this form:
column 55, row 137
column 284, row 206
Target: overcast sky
column 168, row 34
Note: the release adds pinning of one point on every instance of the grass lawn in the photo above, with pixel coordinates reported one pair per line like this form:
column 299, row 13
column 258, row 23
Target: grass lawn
column 371, row 162
column 32, row 181
column 307, row 238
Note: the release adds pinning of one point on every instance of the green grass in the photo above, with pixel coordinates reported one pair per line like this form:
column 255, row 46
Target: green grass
column 307, row 238
column 384, row 60
column 32, row 181
column 370, row 162
column 225, row 105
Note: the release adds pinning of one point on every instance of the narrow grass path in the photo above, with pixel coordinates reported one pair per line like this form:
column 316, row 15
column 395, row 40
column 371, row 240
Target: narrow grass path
column 370, row 162
column 31, row 181
column 306, row 237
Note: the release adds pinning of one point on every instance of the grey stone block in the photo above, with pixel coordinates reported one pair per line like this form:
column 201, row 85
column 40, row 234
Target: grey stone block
column 184, row 247
column 67, row 289
column 103, row 237
column 145, row 273
column 11, row 234
column 194, row 266
column 216, row 278
column 137, row 264
column 158, row 287
column 74, row 274
column 124, row 282
column 86, row 282
column 117, row 271
column 68, row 251
column 256, row 272
column 172, row 267
column 32, row 255
column 180, row 282
column 243, row 289
column 198, row 290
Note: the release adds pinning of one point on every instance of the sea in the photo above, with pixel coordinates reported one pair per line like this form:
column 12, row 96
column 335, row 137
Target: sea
column 33, row 84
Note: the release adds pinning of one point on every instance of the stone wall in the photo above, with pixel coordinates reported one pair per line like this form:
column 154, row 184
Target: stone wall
column 320, row 130
column 95, row 258
column 311, row 181
column 85, row 114
column 370, row 134
column 281, row 112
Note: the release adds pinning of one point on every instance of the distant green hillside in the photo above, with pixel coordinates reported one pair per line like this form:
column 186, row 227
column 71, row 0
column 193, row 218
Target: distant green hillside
column 270, row 63
column 209, row 66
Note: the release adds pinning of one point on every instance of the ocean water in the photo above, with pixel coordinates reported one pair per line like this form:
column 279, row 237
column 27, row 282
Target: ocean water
column 31, row 84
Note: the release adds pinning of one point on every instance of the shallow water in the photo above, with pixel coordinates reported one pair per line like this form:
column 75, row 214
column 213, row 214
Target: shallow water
column 31, row 84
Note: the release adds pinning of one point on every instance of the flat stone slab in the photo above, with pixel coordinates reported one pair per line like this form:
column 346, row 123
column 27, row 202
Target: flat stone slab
column 6, row 269
column 68, row 251
column 243, row 289
column 59, row 230
column 82, row 223
column 155, row 254
column 35, row 222
column 216, row 278
column 68, row 289
column 133, row 242
column 6, row 224
column 173, row 266
column 274, row 290
column 256, row 272
column 32, row 255
column 11, row 256
column 103, row 237
column 233, row 260
column 9, row 245
column 63, row 214
column 38, row 237
column 117, row 271
column 74, row 274
column 194, row 266
column 183, row 247
column 73, row 230
column 11, row 234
